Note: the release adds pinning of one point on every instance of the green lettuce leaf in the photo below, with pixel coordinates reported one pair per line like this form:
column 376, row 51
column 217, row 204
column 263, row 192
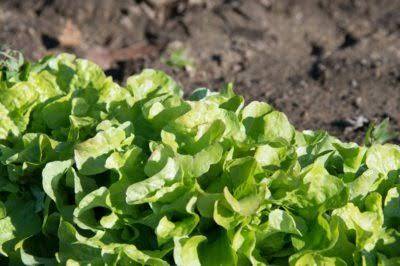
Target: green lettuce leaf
column 97, row 173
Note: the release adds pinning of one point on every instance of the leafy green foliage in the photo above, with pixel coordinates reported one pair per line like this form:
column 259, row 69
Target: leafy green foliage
column 92, row 173
column 11, row 62
column 380, row 133
column 179, row 58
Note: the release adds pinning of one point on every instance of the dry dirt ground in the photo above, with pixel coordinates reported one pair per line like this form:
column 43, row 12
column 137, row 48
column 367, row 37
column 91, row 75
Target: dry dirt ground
column 332, row 65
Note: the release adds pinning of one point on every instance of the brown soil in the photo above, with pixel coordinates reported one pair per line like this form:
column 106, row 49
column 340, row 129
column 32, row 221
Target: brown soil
column 331, row 65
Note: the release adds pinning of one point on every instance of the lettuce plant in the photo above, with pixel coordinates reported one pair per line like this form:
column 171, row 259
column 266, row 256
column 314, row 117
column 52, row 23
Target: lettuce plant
column 93, row 173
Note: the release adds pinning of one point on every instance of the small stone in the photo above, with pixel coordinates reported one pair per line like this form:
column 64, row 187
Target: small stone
column 354, row 83
column 358, row 101
column 364, row 62
column 303, row 83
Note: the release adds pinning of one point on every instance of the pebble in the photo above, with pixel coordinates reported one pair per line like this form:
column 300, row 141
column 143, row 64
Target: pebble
column 358, row 102
column 354, row 83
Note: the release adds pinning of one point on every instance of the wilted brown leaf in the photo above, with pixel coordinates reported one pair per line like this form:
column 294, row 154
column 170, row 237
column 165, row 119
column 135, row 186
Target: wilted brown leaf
column 101, row 56
column 106, row 57
column 71, row 35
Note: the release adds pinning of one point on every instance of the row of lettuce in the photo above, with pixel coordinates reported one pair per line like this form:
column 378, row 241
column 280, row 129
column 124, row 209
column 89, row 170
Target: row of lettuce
column 92, row 173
